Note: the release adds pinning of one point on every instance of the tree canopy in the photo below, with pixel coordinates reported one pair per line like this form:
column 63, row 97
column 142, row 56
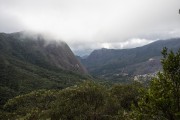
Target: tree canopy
column 162, row 99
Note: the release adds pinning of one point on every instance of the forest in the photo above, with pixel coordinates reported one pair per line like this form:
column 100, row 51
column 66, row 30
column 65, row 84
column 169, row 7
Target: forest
column 92, row 100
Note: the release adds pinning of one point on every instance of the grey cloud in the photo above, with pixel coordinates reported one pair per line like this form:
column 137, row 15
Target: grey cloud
column 92, row 24
column 9, row 23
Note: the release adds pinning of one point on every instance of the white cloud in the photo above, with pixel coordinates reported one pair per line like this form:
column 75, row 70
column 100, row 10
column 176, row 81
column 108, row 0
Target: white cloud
column 131, row 43
column 90, row 24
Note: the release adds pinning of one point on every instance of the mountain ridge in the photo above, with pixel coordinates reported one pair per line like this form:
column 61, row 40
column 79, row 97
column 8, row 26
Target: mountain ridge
column 28, row 63
column 55, row 53
column 113, row 61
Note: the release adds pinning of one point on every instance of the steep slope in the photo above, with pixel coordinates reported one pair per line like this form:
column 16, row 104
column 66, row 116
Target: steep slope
column 29, row 63
column 140, row 60
column 36, row 50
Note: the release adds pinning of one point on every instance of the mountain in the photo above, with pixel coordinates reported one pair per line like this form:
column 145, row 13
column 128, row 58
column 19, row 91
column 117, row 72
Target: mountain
column 128, row 62
column 37, row 50
column 30, row 62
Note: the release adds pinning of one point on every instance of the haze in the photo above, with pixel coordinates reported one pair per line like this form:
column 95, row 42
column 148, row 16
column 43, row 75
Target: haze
column 91, row 24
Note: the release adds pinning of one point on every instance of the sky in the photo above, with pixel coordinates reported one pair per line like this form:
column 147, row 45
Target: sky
column 93, row 24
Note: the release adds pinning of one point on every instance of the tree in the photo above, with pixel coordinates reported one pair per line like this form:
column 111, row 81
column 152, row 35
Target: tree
column 162, row 99
column 126, row 94
column 34, row 105
column 85, row 101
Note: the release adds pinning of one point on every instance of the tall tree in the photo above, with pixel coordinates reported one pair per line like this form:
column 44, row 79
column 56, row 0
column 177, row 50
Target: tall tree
column 162, row 99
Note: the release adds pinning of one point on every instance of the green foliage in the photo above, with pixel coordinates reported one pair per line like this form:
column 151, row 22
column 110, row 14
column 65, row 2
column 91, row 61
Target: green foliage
column 86, row 101
column 30, row 106
column 18, row 77
column 126, row 94
column 162, row 99
column 28, row 82
column 31, row 88
column 28, row 63
column 5, row 94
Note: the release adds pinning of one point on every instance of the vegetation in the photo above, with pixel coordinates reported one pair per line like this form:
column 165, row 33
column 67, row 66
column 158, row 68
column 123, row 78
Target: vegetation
column 93, row 101
column 162, row 99
column 88, row 100
column 38, row 91
column 17, row 77
column 108, row 63
column 26, row 65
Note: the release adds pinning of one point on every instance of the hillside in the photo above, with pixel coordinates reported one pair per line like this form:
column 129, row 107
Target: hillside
column 37, row 50
column 31, row 62
column 121, row 62
column 90, row 100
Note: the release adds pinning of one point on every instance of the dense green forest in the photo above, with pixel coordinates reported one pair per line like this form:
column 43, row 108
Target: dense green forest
column 19, row 77
column 27, row 64
column 90, row 100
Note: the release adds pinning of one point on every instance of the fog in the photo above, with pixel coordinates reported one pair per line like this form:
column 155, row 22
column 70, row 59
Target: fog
column 92, row 24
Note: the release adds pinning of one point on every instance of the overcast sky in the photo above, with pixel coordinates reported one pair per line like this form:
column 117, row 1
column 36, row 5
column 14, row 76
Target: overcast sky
column 92, row 24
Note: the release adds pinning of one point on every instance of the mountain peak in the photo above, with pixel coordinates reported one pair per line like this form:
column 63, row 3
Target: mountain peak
column 40, row 50
column 133, row 61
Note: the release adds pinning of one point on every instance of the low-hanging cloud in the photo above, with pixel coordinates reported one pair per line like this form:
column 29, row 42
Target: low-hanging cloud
column 92, row 24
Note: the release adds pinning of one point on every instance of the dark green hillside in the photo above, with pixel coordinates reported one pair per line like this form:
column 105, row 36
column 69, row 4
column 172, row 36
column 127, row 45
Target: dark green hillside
column 89, row 100
column 85, row 101
column 27, row 64
column 36, row 49
column 128, row 61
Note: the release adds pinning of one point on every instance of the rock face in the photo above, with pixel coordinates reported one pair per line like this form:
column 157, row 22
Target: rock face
column 37, row 50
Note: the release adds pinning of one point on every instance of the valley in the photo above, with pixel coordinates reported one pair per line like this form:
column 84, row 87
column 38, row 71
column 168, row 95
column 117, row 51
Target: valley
column 114, row 64
column 41, row 78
